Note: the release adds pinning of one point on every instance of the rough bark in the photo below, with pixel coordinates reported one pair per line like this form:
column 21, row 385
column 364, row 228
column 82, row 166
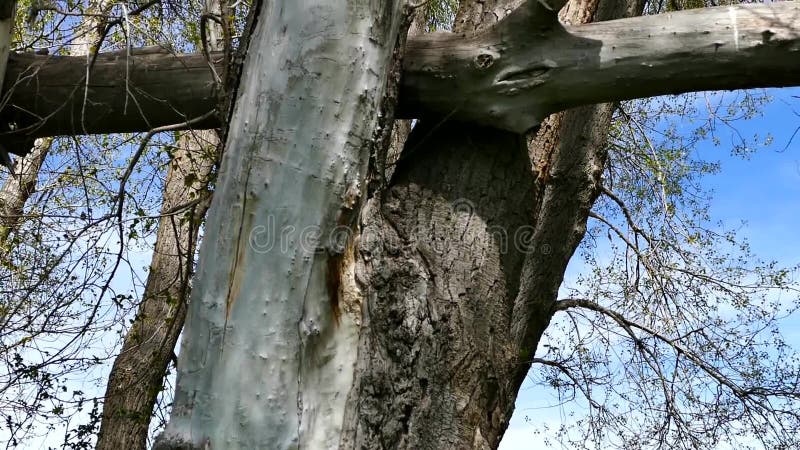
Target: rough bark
column 459, row 263
column 137, row 375
column 509, row 76
column 264, row 362
column 439, row 271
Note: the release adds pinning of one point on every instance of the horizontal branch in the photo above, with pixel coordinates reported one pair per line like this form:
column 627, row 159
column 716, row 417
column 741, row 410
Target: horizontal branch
column 46, row 95
column 510, row 76
column 519, row 71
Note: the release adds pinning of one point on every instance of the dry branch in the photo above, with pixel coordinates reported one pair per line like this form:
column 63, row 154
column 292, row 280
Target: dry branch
column 49, row 95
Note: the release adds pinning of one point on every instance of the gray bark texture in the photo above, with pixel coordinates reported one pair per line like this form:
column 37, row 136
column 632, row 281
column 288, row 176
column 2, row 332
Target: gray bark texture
column 510, row 75
column 459, row 263
column 267, row 358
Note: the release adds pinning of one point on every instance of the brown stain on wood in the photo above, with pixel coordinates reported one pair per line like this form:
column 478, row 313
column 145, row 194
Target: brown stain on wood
column 236, row 279
column 237, row 268
column 333, row 281
column 336, row 262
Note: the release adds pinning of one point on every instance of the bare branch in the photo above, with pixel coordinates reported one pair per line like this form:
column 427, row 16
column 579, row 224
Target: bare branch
column 743, row 393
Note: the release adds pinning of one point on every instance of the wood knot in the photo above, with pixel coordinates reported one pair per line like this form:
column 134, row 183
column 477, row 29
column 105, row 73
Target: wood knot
column 484, row 61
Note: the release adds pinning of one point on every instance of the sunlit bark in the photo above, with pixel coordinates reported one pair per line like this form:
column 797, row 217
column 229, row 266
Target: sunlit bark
column 508, row 76
column 267, row 358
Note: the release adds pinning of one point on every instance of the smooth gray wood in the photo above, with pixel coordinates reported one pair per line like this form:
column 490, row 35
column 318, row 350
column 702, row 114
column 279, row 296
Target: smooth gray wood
column 264, row 363
column 516, row 73
column 509, row 76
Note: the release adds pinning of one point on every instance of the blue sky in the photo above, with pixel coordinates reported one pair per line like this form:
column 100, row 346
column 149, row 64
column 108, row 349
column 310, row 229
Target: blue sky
column 762, row 191
column 765, row 190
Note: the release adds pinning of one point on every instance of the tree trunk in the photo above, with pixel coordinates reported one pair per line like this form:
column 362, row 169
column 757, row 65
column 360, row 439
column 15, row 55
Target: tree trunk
column 438, row 304
column 137, row 376
column 460, row 260
column 439, row 273
column 16, row 191
column 268, row 354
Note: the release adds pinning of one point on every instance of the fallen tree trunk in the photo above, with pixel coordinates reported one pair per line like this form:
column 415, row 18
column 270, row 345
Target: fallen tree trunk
column 49, row 95
column 528, row 66
column 509, row 76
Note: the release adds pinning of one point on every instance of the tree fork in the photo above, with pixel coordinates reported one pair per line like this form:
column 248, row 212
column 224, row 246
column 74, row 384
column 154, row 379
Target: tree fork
column 509, row 76
column 458, row 292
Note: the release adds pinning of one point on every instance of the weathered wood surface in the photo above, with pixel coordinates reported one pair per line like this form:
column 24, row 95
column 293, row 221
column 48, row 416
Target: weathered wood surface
column 524, row 68
column 509, row 76
column 48, row 95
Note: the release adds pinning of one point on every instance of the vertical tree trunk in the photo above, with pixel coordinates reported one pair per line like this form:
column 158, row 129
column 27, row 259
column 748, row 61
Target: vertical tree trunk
column 268, row 353
column 439, row 275
column 459, row 263
column 16, row 191
column 137, row 375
